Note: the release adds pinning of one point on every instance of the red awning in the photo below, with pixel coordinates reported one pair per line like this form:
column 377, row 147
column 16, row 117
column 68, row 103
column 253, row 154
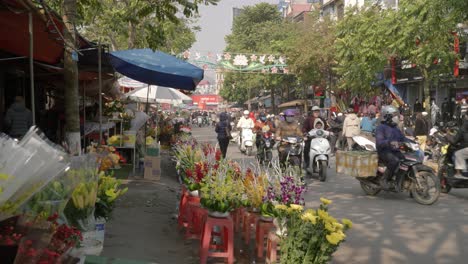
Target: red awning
column 14, row 33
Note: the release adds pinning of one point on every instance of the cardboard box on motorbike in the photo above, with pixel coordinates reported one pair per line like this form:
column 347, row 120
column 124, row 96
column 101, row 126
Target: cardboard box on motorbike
column 357, row 163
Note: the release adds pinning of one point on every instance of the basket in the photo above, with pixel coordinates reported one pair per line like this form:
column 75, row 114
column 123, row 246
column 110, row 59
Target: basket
column 357, row 163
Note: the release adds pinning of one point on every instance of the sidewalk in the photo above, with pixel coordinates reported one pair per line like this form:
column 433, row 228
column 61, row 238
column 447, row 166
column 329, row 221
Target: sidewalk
column 143, row 227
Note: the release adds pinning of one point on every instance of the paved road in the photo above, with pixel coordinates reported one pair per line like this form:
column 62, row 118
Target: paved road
column 389, row 228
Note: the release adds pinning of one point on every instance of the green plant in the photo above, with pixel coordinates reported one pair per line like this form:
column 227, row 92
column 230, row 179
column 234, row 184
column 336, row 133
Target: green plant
column 312, row 235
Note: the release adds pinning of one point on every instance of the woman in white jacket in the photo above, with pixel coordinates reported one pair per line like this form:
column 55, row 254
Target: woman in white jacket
column 351, row 127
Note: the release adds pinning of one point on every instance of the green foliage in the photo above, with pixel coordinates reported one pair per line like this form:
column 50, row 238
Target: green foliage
column 138, row 24
column 260, row 30
column 311, row 49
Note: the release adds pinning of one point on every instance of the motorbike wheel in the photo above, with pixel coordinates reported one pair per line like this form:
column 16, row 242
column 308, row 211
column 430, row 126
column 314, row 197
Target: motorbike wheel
column 369, row 190
column 248, row 151
column 322, row 170
column 424, row 195
column 442, row 175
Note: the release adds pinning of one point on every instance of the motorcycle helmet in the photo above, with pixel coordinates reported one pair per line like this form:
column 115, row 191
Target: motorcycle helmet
column 262, row 118
column 315, row 108
column 390, row 115
column 246, row 113
column 289, row 115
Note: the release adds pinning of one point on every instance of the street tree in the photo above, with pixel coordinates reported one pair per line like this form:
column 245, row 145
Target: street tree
column 259, row 29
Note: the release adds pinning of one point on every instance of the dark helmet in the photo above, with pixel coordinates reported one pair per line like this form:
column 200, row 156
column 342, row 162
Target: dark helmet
column 262, row 117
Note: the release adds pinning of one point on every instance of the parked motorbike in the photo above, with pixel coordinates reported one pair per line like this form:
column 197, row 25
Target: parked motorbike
column 412, row 175
column 265, row 147
column 200, row 121
column 293, row 150
column 447, row 171
column 319, row 152
column 246, row 141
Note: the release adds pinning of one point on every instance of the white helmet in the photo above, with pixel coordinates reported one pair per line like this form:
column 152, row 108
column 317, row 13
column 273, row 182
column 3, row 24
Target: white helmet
column 315, row 108
column 246, row 112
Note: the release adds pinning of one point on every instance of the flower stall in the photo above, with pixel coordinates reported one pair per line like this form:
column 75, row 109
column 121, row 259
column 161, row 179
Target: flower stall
column 273, row 203
column 49, row 207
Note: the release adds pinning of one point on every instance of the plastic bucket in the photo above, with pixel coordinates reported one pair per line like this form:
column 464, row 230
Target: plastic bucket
column 129, row 138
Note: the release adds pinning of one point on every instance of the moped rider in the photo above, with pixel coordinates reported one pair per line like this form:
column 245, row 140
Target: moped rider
column 388, row 138
column 309, row 125
column 460, row 138
column 245, row 122
column 287, row 128
column 262, row 125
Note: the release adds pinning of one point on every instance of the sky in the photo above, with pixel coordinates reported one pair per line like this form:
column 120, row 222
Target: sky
column 216, row 22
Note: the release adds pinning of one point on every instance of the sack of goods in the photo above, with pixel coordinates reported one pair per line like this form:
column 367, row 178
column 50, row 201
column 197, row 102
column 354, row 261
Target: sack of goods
column 357, row 163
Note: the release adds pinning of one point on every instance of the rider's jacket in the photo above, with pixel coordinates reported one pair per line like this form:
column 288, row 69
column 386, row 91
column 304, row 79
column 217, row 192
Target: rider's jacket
column 286, row 129
column 385, row 134
column 245, row 123
column 259, row 126
column 460, row 137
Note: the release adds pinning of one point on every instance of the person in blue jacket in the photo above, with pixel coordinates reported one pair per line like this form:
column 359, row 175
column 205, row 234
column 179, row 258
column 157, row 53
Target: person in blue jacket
column 388, row 138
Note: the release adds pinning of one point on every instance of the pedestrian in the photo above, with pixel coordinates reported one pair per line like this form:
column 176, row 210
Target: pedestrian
column 223, row 129
column 417, row 107
column 351, row 127
column 368, row 126
column 420, row 131
column 18, row 118
column 372, row 109
column 435, row 112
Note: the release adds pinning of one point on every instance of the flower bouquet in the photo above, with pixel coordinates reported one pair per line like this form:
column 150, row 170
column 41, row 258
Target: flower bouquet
column 80, row 208
column 25, row 171
column 221, row 191
column 108, row 191
column 255, row 188
column 313, row 235
column 127, row 118
column 113, row 107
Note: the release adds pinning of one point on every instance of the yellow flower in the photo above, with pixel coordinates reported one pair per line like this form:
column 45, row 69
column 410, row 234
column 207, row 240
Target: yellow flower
column 347, row 222
column 325, row 201
column 323, row 214
column 337, row 226
column 308, row 216
column 297, row 207
column 329, row 227
column 335, row 238
column 281, row 207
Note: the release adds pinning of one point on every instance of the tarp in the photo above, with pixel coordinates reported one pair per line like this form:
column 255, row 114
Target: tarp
column 158, row 94
column 156, row 68
column 299, row 102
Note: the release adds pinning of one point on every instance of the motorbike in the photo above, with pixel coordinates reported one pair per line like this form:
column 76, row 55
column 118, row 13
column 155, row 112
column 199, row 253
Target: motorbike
column 293, row 149
column 435, row 142
column 447, row 171
column 246, row 141
column 265, row 147
column 319, row 152
column 200, row 121
column 412, row 175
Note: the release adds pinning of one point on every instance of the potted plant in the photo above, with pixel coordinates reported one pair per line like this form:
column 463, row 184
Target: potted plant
column 221, row 191
column 313, row 235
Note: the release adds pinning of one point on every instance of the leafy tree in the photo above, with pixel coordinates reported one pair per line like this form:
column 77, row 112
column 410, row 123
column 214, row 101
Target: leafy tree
column 362, row 47
column 259, row 30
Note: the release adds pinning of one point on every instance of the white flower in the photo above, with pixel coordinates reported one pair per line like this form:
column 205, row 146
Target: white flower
column 253, row 57
column 271, row 58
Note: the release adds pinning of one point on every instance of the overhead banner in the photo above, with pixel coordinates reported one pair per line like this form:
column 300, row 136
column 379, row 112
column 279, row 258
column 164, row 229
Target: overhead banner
column 260, row 63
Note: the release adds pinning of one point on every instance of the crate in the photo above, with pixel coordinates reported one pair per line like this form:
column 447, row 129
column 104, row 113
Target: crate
column 152, row 168
column 357, row 163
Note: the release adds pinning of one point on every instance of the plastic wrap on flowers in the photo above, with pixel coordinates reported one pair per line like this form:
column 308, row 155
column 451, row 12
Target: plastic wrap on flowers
column 38, row 234
column 31, row 173
column 80, row 209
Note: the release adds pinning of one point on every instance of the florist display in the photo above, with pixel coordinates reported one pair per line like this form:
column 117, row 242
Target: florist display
column 107, row 156
column 114, row 108
column 222, row 190
column 313, row 235
column 255, row 189
column 109, row 190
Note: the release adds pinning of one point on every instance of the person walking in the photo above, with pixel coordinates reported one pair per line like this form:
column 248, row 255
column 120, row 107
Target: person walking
column 351, row 127
column 18, row 119
column 223, row 129
column 420, row 131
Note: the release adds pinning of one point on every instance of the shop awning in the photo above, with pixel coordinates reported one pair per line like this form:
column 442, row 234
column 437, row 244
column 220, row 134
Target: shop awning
column 294, row 103
column 48, row 44
column 156, row 68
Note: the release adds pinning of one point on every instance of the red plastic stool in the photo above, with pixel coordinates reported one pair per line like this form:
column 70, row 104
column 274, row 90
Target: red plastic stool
column 237, row 218
column 195, row 216
column 185, row 198
column 249, row 219
column 262, row 231
column 227, row 236
column 272, row 248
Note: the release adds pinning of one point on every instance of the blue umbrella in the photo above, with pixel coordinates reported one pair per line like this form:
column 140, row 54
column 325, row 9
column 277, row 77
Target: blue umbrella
column 156, row 68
